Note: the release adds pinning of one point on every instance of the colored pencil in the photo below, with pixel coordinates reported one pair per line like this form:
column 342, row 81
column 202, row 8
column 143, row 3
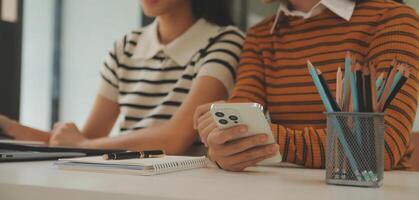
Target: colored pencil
column 346, row 86
column 400, row 73
column 358, row 90
column 387, row 88
column 373, row 88
column 397, row 88
column 339, row 91
column 380, row 80
column 359, row 87
column 389, row 73
column 319, row 87
column 354, row 91
column 339, row 132
column 367, row 89
column 329, row 95
column 392, row 65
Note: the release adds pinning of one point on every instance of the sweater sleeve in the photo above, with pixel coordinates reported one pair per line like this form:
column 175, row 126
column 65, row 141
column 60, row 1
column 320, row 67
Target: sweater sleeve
column 250, row 84
column 397, row 37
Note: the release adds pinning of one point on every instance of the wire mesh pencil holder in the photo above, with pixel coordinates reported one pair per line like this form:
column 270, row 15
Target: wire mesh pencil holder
column 355, row 153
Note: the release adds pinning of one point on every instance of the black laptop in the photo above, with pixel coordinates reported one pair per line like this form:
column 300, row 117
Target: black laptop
column 11, row 150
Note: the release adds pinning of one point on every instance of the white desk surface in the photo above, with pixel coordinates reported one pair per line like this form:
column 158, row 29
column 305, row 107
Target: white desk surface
column 42, row 180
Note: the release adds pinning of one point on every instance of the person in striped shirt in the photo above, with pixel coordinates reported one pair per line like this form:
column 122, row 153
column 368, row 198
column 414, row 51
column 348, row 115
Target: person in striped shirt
column 155, row 77
column 273, row 72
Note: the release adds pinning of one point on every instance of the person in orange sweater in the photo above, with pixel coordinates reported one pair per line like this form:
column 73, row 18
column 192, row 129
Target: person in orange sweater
column 273, row 72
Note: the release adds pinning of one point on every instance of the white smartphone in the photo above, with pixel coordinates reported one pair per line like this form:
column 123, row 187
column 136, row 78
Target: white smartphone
column 228, row 115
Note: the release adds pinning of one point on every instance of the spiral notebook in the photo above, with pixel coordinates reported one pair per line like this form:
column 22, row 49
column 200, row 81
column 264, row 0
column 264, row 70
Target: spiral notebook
column 147, row 166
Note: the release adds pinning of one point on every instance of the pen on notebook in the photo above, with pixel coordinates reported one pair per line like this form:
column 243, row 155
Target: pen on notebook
column 132, row 155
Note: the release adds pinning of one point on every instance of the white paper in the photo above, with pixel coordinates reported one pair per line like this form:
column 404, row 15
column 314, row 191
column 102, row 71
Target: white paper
column 9, row 10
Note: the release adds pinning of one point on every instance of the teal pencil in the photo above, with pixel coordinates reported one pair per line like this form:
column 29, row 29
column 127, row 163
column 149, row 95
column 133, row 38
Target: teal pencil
column 346, row 87
column 354, row 91
column 339, row 132
column 319, row 87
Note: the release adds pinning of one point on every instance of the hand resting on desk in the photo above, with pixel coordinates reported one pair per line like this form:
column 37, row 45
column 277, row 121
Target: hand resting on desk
column 63, row 134
column 67, row 134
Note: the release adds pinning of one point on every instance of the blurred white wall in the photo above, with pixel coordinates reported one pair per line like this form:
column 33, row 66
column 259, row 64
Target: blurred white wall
column 90, row 28
column 413, row 3
column 35, row 104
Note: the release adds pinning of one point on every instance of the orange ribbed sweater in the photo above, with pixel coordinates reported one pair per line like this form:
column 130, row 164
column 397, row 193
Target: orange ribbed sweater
column 273, row 72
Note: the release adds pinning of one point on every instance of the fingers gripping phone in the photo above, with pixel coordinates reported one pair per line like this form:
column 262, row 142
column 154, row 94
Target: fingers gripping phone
column 227, row 115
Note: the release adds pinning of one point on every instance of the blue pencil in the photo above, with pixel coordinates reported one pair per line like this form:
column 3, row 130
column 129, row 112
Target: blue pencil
column 329, row 108
column 319, row 87
column 345, row 99
column 354, row 91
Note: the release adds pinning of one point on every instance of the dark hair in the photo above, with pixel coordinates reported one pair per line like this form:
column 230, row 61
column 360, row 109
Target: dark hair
column 215, row 11
column 400, row 1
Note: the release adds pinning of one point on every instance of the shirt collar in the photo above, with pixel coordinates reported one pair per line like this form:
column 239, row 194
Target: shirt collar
column 182, row 48
column 342, row 8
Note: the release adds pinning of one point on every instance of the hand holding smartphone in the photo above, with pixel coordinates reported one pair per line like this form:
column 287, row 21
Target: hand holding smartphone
column 227, row 115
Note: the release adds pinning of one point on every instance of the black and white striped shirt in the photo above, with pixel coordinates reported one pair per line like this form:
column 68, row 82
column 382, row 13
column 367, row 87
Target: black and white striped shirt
column 150, row 81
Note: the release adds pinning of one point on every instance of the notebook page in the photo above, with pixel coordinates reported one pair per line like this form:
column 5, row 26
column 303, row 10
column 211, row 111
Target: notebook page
column 146, row 163
column 148, row 166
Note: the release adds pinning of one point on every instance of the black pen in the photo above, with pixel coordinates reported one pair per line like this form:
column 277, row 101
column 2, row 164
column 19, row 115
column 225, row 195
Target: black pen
column 131, row 155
